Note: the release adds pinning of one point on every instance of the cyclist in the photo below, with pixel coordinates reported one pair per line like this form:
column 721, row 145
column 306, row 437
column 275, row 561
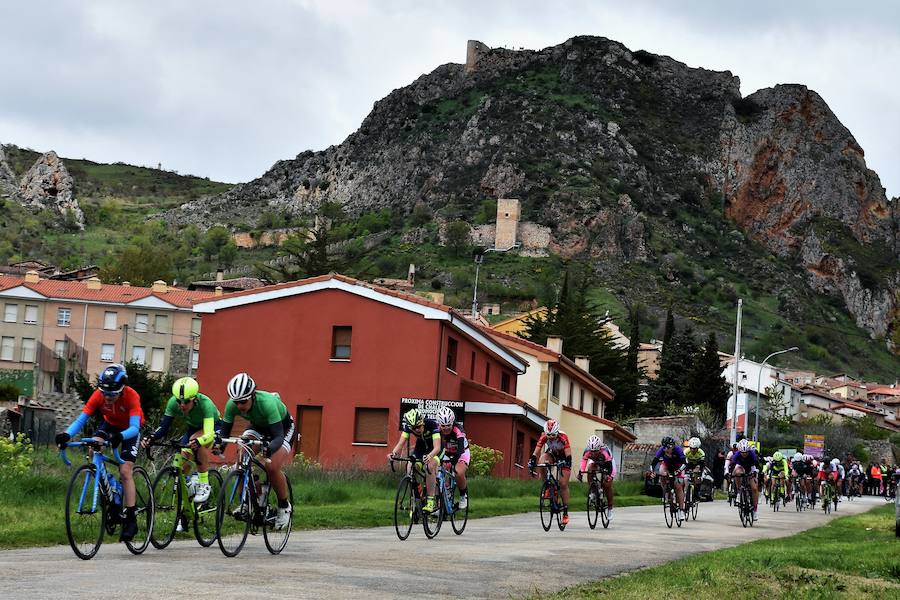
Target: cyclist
column 598, row 458
column 428, row 445
column 827, row 474
column 456, row 450
column 840, row 475
column 670, row 461
column 558, row 451
column 696, row 460
column 269, row 418
column 730, row 483
column 746, row 461
column 201, row 416
column 777, row 470
column 854, row 475
column 123, row 417
column 798, row 471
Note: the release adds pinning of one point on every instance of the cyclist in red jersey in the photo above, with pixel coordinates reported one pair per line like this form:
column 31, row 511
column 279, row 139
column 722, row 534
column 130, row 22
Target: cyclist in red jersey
column 120, row 406
column 558, row 451
column 597, row 457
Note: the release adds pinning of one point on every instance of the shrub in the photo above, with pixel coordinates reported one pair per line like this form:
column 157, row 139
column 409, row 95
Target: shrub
column 483, row 460
column 9, row 392
column 16, row 456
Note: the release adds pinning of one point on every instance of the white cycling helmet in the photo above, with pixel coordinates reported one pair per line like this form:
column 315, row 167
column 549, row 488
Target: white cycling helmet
column 594, row 443
column 743, row 446
column 241, row 386
column 798, row 456
column 551, row 427
column 835, row 461
column 446, row 416
column 694, row 443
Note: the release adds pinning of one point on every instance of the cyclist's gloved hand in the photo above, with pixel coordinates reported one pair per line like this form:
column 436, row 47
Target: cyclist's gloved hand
column 532, row 463
column 565, row 461
column 580, row 476
column 115, row 439
column 62, row 439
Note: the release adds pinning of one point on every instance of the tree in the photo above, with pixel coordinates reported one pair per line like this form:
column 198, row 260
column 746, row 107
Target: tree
column 672, row 386
column 707, row 381
column 214, row 240
column 581, row 327
column 140, row 263
column 670, row 327
column 302, row 255
column 153, row 389
column 458, row 238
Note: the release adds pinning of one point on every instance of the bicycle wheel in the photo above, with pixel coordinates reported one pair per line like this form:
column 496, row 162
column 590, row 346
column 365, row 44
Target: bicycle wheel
column 668, row 510
column 143, row 510
column 233, row 514
column 167, row 493
column 432, row 521
column 776, row 499
column 744, row 508
column 205, row 512
column 276, row 539
column 557, row 502
column 460, row 516
column 85, row 516
column 546, row 506
column 604, row 512
column 404, row 508
column 695, row 503
column 593, row 506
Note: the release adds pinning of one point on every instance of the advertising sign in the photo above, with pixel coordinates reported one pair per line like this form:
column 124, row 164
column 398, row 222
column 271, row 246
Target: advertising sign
column 814, row 444
column 431, row 407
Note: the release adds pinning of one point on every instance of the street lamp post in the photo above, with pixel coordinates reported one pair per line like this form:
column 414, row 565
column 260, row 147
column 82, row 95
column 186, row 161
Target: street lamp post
column 479, row 258
column 758, row 383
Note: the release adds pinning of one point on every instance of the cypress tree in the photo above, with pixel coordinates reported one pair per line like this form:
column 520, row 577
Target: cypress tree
column 708, row 385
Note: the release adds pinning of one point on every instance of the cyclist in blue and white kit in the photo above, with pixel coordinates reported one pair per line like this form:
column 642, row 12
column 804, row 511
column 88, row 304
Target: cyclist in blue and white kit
column 746, row 461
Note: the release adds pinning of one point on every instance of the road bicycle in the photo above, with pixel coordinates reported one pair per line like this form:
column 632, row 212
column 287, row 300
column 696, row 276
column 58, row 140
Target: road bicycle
column 800, row 499
column 671, row 512
column 94, row 501
column 247, row 502
column 596, row 499
column 745, row 500
column 691, row 495
column 411, row 497
column 829, row 496
column 174, row 495
column 778, row 498
column 450, row 498
column 550, row 499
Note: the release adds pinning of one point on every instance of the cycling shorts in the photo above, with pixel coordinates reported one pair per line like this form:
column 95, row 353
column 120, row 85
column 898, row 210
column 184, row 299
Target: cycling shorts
column 128, row 449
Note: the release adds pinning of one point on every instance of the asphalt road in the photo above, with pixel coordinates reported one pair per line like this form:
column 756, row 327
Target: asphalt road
column 498, row 557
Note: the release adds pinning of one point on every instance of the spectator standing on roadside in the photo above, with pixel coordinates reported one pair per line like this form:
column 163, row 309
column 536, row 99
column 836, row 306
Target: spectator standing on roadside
column 719, row 469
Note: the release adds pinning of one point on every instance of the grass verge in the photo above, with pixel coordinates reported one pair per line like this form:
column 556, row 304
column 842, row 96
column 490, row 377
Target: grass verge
column 850, row 557
column 32, row 506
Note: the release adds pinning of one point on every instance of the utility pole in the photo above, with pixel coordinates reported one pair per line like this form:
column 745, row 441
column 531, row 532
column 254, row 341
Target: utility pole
column 737, row 360
column 124, row 341
column 478, row 260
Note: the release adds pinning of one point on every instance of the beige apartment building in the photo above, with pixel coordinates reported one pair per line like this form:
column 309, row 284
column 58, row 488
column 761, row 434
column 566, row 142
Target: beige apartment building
column 52, row 328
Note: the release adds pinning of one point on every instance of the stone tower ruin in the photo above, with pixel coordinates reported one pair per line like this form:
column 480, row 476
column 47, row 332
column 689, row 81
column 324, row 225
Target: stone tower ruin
column 507, row 223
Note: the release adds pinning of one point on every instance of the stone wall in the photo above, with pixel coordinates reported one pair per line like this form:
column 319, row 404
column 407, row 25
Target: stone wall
column 651, row 430
column 880, row 450
column 178, row 359
column 271, row 237
column 534, row 239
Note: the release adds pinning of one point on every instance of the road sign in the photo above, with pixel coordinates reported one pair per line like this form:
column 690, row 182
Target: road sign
column 814, row 444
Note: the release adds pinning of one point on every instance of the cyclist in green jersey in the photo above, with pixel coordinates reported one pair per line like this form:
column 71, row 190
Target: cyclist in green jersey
column 695, row 459
column 269, row 418
column 778, row 467
column 201, row 416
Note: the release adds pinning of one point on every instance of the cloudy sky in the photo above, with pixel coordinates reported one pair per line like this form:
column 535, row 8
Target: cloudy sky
column 225, row 88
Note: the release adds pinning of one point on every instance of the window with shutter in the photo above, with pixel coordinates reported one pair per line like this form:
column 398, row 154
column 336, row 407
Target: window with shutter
column 371, row 426
column 340, row 342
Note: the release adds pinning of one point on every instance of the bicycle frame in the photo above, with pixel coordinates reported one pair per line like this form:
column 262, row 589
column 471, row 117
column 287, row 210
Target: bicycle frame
column 99, row 460
column 245, row 458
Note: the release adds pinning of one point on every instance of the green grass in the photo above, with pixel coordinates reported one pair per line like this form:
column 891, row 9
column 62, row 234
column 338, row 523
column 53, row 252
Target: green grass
column 850, row 557
column 32, row 506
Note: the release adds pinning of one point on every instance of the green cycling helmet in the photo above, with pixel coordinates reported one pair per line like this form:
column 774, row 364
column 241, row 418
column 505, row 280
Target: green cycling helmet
column 778, row 457
column 185, row 388
column 414, row 417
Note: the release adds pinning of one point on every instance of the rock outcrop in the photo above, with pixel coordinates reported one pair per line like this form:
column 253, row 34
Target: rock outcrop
column 48, row 185
column 610, row 148
column 7, row 177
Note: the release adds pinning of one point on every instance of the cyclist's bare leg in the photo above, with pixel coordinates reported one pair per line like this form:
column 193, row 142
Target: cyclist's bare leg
column 564, row 485
column 274, row 470
column 430, row 476
column 201, row 454
column 460, row 470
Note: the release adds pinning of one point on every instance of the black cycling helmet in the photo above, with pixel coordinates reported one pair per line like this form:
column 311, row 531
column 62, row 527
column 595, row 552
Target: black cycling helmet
column 668, row 442
column 112, row 380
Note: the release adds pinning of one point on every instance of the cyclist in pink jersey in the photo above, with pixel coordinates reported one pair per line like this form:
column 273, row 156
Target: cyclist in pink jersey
column 598, row 458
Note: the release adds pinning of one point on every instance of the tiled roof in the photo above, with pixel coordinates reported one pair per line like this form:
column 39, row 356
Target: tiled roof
column 123, row 294
column 884, row 391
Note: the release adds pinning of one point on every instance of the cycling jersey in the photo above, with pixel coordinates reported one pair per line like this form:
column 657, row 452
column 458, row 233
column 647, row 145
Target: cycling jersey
column 455, row 443
column 425, row 441
column 800, row 468
column 602, row 458
column 695, row 457
column 268, row 416
column 203, row 415
column 555, row 447
column 747, row 462
column 777, row 467
column 116, row 412
column 673, row 461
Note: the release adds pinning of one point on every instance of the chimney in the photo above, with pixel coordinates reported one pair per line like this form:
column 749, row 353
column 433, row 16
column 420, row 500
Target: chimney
column 583, row 363
column 554, row 342
column 126, row 284
column 220, row 275
column 219, row 290
column 159, row 286
column 93, row 283
column 32, row 276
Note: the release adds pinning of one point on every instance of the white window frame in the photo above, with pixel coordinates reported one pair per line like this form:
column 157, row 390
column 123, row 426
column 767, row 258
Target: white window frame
column 11, row 313
column 195, row 327
column 141, row 325
column 27, row 352
column 31, row 314
column 195, row 359
column 63, row 317
column 59, row 349
column 110, row 315
column 107, row 352
column 160, row 365
column 139, row 357
column 7, row 348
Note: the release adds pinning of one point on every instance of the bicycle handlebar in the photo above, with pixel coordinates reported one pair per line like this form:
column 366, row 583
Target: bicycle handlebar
column 90, row 443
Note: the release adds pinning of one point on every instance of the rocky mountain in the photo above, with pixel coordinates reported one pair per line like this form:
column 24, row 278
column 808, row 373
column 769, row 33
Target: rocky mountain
column 47, row 185
column 648, row 167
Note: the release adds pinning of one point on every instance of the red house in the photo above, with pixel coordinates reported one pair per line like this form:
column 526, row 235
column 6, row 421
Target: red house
column 343, row 353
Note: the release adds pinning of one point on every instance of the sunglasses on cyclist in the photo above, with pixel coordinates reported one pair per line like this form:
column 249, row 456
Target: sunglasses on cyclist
column 184, row 401
column 241, row 401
